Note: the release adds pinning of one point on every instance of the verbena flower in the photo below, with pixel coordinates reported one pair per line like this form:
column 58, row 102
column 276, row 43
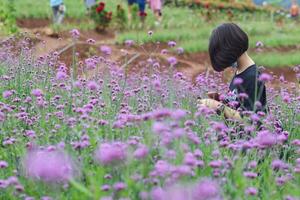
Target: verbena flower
column 141, row 152
column 206, row 190
column 119, row 186
column 265, row 77
column 265, row 139
column 278, row 164
column 8, row 93
column 75, row 33
column 129, row 43
column 92, row 85
column 49, row 166
column 250, row 175
column 111, row 153
column 3, row 164
column 106, row 50
column 238, row 81
column 37, row 92
column 251, row 191
column 180, row 50
column 171, row 43
column 172, row 61
column 60, row 75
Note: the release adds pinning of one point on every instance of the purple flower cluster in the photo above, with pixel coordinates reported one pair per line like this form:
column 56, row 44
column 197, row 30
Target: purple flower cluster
column 49, row 165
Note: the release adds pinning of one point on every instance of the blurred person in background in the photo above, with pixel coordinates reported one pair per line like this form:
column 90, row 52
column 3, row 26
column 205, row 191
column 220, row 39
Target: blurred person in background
column 89, row 4
column 294, row 10
column 58, row 10
column 156, row 7
column 142, row 7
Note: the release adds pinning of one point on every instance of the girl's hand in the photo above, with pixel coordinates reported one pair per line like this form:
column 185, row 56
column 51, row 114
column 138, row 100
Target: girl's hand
column 209, row 103
column 213, row 95
column 213, row 104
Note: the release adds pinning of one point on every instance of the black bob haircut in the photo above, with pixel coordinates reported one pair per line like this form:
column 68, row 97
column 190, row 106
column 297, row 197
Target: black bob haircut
column 226, row 44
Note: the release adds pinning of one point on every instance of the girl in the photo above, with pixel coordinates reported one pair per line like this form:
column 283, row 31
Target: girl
column 58, row 10
column 228, row 47
column 156, row 6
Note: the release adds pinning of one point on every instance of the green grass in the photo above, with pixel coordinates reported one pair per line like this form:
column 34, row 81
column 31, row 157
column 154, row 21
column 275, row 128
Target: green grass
column 185, row 26
column 42, row 9
column 277, row 59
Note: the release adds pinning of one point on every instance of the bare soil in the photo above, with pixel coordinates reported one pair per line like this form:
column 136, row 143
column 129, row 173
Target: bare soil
column 191, row 64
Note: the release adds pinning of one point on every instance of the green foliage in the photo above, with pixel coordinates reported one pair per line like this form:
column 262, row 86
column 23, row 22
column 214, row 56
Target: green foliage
column 101, row 17
column 121, row 17
column 7, row 17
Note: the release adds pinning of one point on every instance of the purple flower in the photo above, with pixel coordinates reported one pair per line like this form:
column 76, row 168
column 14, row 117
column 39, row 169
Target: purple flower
column 60, row 75
column 119, row 186
column 3, row 164
column 215, row 164
column 172, row 61
column 278, row 164
column 158, row 194
column 252, row 164
column 190, row 159
column 162, row 167
column 92, row 85
column 28, row 198
column 105, row 50
column 265, row 139
column 206, row 189
column 111, row 153
column 105, row 187
column 180, row 50
column 198, row 153
column 164, row 51
column 46, row 198
column 178, row 114
column 141, row 152
column 3, row 184
column 8, row 93
column 49, row 166
column 159, row 127
column 251, row 191
column 30, row 133
column 238, row 81
column 91, row 41
column 37, row 92
column 250, row 175
column 171, row 44
column 150, row 33
column 259, row 44
column 75, row 33
column 281, row 180
column 265, row 77
column 129, row 43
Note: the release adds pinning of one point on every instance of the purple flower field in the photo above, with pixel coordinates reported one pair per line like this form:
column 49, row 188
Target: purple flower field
column 111, row 135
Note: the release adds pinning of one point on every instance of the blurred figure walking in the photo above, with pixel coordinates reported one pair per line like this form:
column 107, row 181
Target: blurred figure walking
column 294, row 10
column 156, row 7
column 58, row 9
column 142, row 6
column 89, row 4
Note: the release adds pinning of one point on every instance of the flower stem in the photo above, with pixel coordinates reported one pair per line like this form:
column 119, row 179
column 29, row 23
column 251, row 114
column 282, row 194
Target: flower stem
column 81, row 188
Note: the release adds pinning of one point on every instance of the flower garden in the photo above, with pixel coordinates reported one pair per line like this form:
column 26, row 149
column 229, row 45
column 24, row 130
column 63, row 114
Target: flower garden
column 106, row 109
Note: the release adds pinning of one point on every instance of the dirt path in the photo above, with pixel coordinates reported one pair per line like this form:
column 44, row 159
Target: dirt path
column 190, row 64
